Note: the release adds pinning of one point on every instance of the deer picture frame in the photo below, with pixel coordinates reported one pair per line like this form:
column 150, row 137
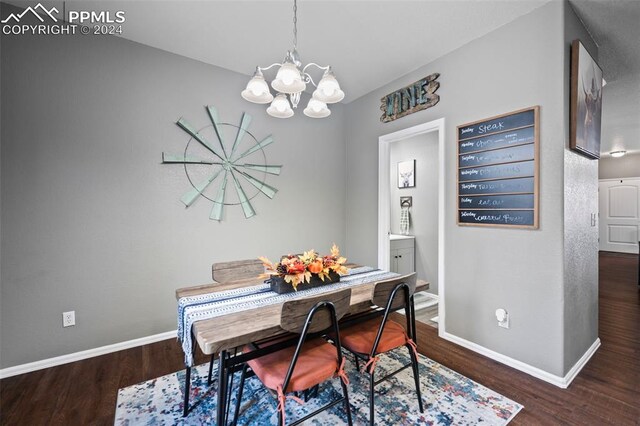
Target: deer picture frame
column 586, row 102
column 407, row 174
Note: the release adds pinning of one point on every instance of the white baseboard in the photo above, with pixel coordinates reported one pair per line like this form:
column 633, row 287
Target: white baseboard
column 89, row 353
column 561, row 382
column 568, row 378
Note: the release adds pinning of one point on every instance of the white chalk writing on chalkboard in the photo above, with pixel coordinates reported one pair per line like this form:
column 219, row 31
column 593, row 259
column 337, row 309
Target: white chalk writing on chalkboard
column 503, row 170
column 483, row 128
column 492, row 203
column 506, row 218
column 498, row 140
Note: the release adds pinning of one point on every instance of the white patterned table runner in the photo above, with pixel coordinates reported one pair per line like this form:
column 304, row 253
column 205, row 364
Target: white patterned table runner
column 212, row 305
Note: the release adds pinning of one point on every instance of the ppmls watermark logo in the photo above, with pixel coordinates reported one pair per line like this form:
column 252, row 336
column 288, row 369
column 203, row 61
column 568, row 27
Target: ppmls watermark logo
column 77, row 21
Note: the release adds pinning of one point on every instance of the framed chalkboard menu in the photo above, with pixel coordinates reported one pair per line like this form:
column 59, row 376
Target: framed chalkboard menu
column 498, row 170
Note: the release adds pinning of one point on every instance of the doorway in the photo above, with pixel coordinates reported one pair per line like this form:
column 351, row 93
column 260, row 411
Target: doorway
column 619, row 209
column 388, row 177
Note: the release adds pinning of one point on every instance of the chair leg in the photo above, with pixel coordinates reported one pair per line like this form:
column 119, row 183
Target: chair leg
column 347, row 407
column 280, row 419
column 209, row 378
column 371, row 399
column 239, row 399
column 357, row 362
column 416, row 377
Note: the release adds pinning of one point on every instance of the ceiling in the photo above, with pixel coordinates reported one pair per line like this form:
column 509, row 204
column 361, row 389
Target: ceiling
column 615, row 26
column 370, row 43
column 367, row 43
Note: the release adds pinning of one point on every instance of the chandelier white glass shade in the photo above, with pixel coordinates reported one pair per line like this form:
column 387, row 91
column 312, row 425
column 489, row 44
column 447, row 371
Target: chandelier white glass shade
column 257, row 90
column 328, row 90
column 316, row 109
column 290, row 81
column 280, row 107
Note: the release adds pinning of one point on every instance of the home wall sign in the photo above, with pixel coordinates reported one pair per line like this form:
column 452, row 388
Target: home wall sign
column 412, row 98
column 498, row 170
column 237, row 159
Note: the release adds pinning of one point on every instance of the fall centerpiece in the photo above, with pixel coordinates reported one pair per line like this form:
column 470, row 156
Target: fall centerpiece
column 304, row 271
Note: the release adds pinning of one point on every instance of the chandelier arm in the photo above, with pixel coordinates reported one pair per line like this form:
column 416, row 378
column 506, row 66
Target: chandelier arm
column 316, row 65
column 309, row 79
column 269, row 67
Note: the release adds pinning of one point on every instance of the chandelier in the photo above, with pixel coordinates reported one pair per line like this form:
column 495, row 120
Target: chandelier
column 291, row 80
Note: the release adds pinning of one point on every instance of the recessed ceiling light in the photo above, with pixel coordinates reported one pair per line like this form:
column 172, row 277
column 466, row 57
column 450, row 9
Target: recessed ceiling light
column 618, row 153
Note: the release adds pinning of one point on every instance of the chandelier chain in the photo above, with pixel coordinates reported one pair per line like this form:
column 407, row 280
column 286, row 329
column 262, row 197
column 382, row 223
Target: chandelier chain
column 295, row 24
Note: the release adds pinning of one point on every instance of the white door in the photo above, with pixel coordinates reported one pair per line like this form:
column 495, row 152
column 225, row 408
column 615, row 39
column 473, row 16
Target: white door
column 619, row 215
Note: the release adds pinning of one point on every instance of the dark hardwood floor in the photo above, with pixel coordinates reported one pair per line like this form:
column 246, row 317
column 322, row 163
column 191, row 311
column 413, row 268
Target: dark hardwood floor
column 607, row 390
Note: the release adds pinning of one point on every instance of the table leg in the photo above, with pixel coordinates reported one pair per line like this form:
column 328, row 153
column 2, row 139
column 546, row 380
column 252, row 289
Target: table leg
column 209, row 378
column 221, row 409
column 187, row 382
column 187, row 391
column 230, row 389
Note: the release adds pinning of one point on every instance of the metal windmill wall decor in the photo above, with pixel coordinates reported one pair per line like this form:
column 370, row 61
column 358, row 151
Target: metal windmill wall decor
column 209, row 167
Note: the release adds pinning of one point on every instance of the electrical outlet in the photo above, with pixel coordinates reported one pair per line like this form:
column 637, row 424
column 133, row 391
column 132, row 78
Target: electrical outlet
column 503, row 318
column 504, row 324
column 68, row 318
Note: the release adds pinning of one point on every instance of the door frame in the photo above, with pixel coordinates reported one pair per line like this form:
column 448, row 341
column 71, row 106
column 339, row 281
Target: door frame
column 384, row 195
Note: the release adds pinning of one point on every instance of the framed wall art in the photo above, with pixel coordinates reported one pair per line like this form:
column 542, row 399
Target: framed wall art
column 586, row 102
column 407, row 174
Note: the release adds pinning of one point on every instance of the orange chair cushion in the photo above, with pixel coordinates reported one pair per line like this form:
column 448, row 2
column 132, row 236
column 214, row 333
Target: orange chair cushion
column 360, row 337
column 317, row 362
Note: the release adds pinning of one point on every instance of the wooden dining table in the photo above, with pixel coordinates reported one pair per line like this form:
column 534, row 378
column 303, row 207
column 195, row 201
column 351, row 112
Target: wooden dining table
column 222, row 334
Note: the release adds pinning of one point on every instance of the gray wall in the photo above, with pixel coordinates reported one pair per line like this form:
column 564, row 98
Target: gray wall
column 621, row 167
column 424, row 212
column 516, row 66
column 91, row 221
column 580, row 238
column 620, row 113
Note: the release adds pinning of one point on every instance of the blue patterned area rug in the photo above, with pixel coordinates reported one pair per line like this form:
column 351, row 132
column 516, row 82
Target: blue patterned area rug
column 449, row 399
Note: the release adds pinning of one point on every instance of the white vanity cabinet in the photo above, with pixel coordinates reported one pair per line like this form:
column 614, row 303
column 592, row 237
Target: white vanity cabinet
column 402, row 253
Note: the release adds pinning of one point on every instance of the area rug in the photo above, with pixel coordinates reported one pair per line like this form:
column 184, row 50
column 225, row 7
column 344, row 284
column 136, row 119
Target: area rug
column 449, row 399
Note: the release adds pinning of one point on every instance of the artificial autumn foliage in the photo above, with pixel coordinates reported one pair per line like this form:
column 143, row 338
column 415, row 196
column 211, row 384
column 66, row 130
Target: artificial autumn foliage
column 296, row 269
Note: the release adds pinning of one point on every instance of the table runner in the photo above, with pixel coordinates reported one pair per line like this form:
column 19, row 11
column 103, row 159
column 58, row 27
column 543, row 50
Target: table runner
column 212, row 305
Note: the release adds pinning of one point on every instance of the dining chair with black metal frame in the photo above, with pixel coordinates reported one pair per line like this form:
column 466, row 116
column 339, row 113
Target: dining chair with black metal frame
column 222, row 272
column 311, row 362
column 368, row 340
